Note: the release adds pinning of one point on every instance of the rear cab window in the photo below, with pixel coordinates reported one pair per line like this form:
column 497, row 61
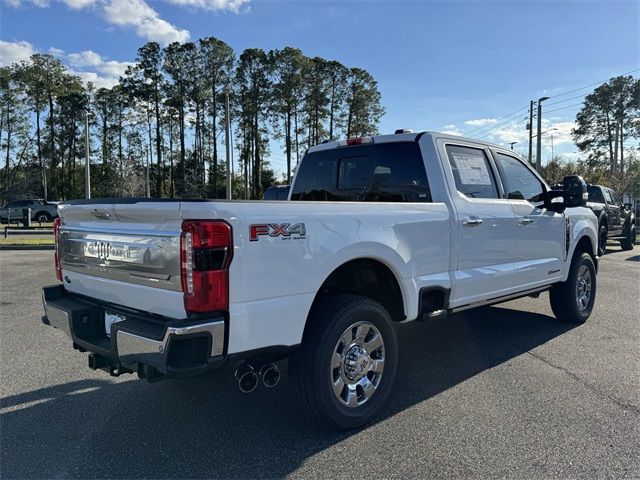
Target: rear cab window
column 384, row 172
column 595, row 194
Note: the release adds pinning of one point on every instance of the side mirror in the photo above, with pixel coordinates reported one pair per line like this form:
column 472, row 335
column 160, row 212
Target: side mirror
column 628, row 206
column 575, row 191
column 554, row 201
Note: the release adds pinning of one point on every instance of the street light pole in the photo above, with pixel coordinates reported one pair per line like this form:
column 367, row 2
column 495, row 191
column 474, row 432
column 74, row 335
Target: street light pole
column 146, row 176
column 539, row 143
column 552, row 146
column 512, row 144
column 87, row 165
column 530, row 129
column 228, row 140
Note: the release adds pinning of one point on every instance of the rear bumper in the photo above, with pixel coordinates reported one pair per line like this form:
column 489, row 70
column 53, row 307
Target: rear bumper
column 150, row 345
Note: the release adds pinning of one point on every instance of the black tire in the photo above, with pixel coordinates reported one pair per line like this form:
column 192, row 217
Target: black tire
column 602, row 240
column 312, row 375
column 42, row 217
column 630, row 240
column 564, row 295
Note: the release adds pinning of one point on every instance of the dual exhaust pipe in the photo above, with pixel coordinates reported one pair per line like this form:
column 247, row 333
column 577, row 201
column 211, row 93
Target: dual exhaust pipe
column 248, row 376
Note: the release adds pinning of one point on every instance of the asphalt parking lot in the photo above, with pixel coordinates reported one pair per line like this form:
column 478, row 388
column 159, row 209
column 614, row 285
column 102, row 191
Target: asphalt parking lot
column 505, row 391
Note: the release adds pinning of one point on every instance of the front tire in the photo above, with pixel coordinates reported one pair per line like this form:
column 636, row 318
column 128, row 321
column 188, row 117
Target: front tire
column 572, row 301
column 630, row 240
column 602, row 240
column 346, row 366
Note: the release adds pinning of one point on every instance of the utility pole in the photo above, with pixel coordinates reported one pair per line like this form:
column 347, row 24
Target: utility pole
column 539, row 135
column 530, row 128
column 87, row 165
column 228, row 140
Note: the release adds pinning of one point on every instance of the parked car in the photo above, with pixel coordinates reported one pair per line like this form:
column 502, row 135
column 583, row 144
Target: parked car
column 276, row 192
column 379, row 230
column 616, row 221
column 41, row 210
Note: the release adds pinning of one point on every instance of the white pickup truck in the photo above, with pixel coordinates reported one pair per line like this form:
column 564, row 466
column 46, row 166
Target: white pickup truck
column 377, row 231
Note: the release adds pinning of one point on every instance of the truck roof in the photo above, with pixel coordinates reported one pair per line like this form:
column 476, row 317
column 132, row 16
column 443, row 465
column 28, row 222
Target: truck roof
column 401, row 137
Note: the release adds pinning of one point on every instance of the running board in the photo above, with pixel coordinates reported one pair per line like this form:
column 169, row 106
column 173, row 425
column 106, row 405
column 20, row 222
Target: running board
column 506, row 298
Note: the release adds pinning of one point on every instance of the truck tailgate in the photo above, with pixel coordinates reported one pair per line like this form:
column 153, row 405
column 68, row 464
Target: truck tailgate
column 124, row 253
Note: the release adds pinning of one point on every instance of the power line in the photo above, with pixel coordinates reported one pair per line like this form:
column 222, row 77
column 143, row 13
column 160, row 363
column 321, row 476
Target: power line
column 591, row 85
column 504, row 124
column 485, row 129
column 509, row 124
column 562, row 108
column 497, row 120
column 567, row 99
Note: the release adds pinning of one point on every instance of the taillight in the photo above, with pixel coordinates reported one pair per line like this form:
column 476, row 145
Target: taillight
column 56, row 235
column 205, row 254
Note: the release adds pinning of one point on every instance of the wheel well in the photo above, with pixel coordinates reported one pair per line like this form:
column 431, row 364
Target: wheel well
column 369, row 278
column 603, row 221
column 584, row 246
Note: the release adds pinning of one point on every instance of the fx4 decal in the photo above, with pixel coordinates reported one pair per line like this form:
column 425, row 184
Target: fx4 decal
column 284, row 230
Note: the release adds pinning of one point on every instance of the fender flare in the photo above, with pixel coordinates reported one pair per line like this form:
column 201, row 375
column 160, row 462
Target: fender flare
column 387, row 256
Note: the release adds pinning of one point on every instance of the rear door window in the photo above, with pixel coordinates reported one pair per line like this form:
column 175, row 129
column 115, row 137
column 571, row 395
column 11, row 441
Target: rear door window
column 386, row 172
column 472, row 172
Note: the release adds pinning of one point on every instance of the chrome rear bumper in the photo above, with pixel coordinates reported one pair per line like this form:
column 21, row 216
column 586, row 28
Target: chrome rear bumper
column 170, row 346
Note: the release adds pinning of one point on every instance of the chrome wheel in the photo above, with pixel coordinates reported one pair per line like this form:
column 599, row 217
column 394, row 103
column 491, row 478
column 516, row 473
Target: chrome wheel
column 583, row 288
column 357, row 364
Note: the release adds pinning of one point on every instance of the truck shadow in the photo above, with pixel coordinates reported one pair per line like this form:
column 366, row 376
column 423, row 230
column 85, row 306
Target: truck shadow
column 205, row 427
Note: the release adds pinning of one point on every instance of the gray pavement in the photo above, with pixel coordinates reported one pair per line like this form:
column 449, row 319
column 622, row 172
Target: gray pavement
column 505, row 391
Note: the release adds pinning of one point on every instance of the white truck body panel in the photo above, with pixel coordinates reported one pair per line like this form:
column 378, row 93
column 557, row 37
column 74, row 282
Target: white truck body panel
column 273, row 281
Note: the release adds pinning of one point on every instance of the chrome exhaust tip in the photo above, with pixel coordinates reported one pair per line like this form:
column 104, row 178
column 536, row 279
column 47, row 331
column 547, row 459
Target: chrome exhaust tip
column 247, row 378
column 270, row 375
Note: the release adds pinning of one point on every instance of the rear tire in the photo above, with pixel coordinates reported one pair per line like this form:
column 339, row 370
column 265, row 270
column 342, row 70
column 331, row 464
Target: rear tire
column 572, row 301
column 346, row 366
column 630, row 240
column 42, row 217
column 602, row 240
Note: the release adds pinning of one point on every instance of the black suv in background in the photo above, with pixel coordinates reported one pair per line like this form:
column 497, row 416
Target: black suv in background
column 615, row 220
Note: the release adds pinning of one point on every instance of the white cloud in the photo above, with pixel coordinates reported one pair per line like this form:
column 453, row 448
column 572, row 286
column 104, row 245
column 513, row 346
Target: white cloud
column 94, row 68
column 86, row 58
column 139, row 15
column 19, row 3
column 79, row 4
column 15, row 52
column 232, row 5
column 56, row 52
column 561, row 132
column 147, row 22
column 88, row 65
column 451, row 129
column 481, row 122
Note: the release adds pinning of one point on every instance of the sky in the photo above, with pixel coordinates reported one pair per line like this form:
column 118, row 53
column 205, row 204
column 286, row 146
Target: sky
column 465, row 67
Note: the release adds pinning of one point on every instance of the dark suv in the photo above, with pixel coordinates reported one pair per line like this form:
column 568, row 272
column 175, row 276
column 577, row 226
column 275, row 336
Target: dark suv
column 615, row 220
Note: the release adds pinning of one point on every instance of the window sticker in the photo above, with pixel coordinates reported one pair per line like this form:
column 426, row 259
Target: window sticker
column 472, row 169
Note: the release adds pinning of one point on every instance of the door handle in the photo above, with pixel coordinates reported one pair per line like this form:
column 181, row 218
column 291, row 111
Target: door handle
column 525, row 221
column 472, row 222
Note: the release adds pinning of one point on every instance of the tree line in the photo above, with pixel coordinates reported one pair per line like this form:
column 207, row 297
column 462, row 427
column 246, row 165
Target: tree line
column 168, row 112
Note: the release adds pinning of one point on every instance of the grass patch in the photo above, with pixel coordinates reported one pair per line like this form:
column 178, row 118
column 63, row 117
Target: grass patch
column 18, row 241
